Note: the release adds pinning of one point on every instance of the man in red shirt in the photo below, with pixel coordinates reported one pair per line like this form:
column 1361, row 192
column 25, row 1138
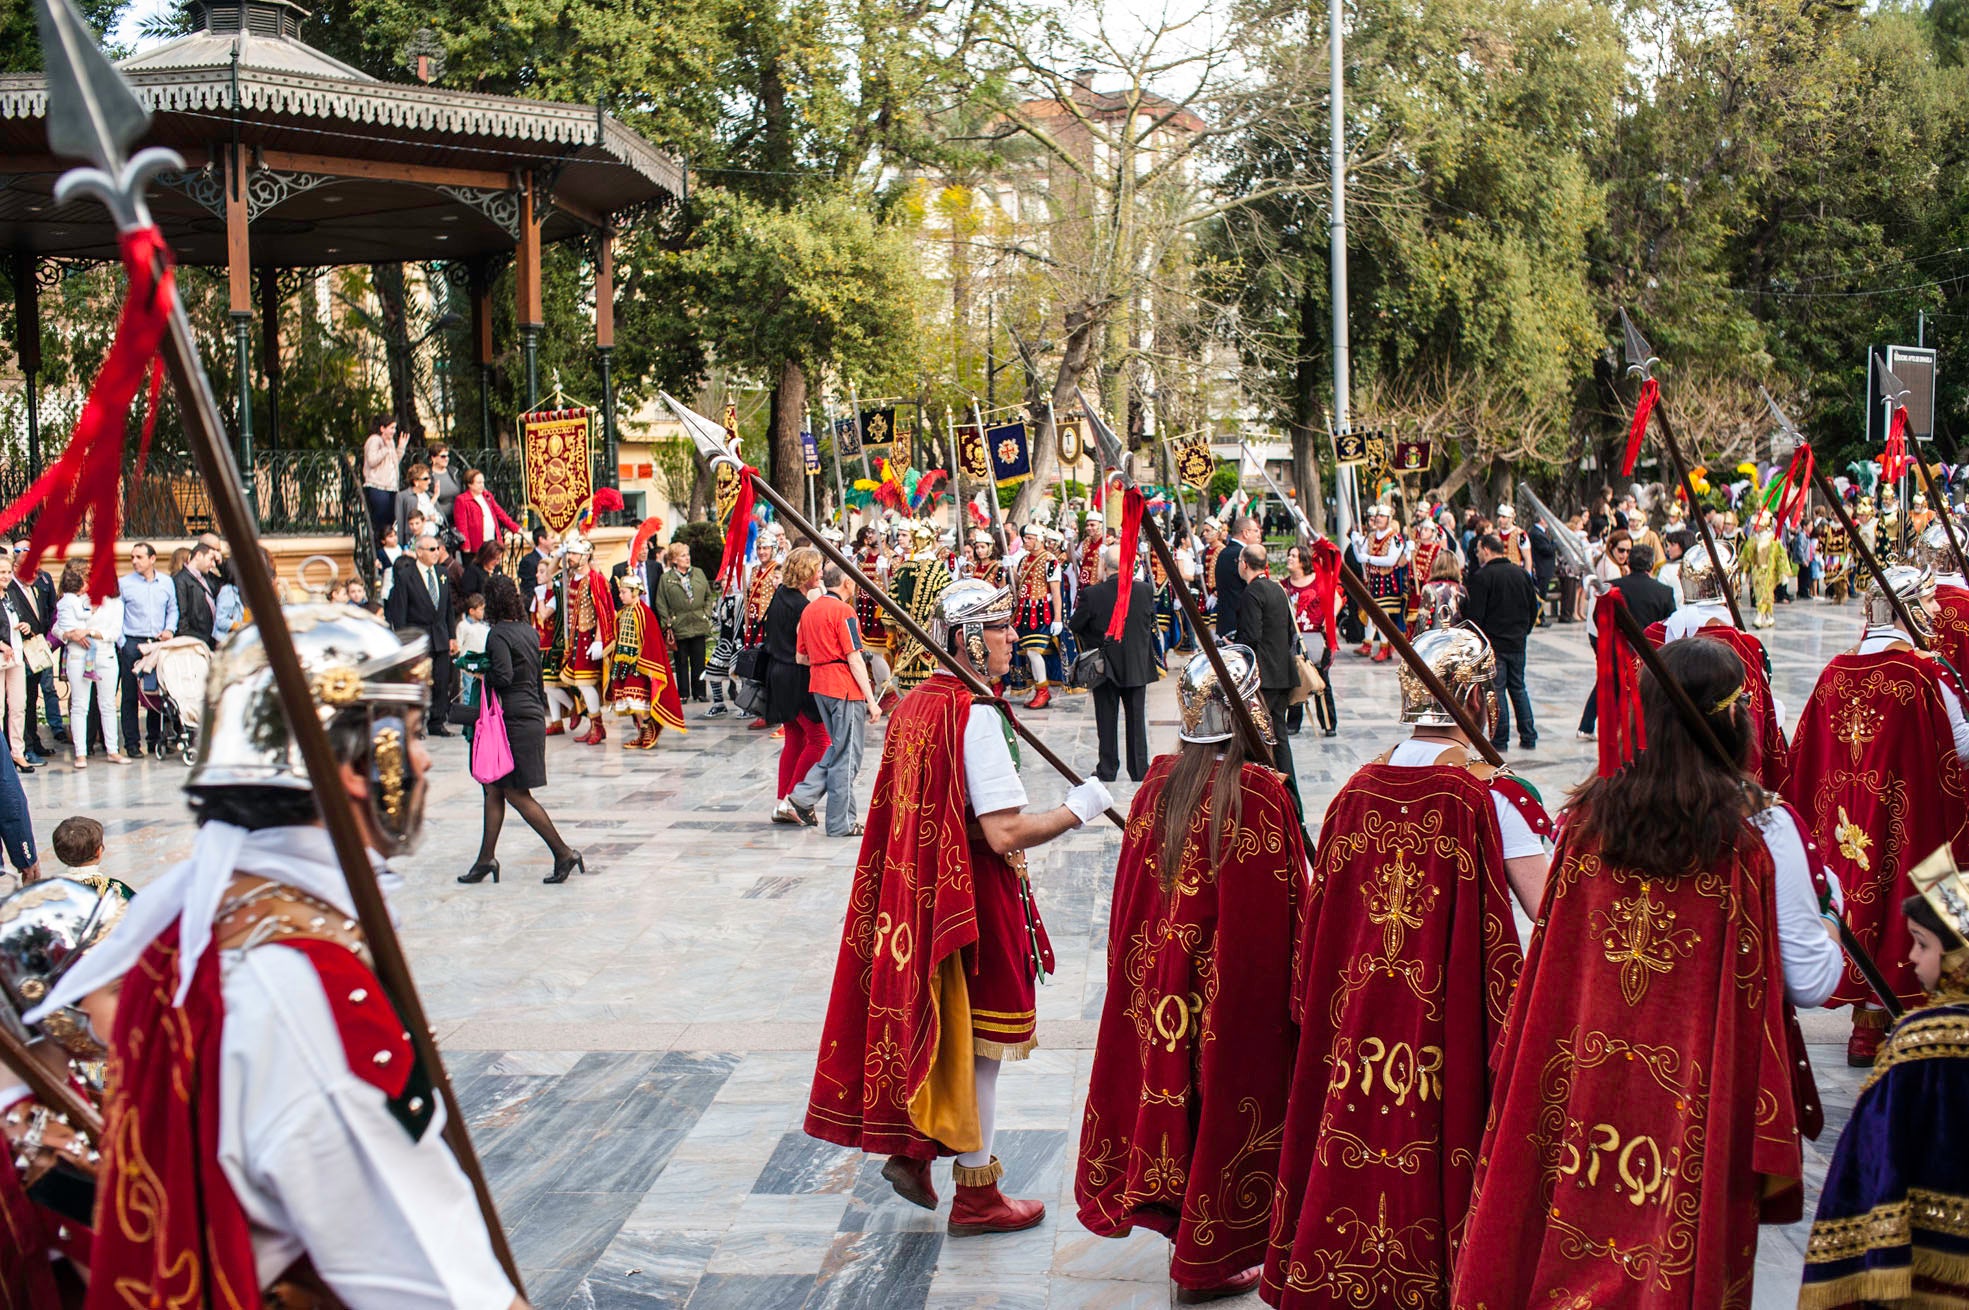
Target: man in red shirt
column 830, row 647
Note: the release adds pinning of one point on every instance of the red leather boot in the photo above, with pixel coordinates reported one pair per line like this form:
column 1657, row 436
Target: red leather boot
column 1041, row 698
column 911, row 1179
column 1869, row 1028
column 1383, row 653
column 1235, row 1285
column 597, row 734
column 981, row 1208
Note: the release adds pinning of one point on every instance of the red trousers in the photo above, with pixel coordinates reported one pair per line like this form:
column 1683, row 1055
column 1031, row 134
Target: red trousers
column 806, row 742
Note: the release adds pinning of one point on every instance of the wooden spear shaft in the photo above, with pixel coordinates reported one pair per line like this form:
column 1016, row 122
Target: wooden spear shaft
column 51, row 1090
column 1866, row 555
column 1727, row 578
column 962, row 671
column 222, row 481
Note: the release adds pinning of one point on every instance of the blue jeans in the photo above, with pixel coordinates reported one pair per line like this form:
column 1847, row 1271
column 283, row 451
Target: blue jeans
column 1511, row 694
column 846, row 722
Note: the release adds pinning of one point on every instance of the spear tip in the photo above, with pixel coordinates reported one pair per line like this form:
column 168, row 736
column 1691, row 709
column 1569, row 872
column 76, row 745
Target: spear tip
column 1891, row 387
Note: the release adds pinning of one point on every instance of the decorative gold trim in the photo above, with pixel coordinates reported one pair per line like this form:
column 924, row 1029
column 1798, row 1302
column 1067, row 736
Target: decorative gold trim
column 1934, row 1037
column 986, row 1176
column 1003, row 1050
column 1893, row 1285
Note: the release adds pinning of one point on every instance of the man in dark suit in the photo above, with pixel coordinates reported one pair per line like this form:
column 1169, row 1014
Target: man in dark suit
column 1229, row 582
column 1264, row 623
column 34, row 600
column 198, row 594
column 1131, row 664
column 1503, row 603
column 420, row 598
column 1649, row 600
column 651, row 571
column 530, row 565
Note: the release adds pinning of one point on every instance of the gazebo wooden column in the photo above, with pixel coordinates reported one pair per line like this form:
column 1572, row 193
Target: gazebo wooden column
column 526, row 284
column 270, row 352
column 605, row 343
column 480, row 275
column 27, row 348
column 239, row 286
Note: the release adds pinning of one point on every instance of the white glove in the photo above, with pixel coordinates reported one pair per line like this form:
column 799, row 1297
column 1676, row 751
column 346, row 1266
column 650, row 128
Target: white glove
column 1088, row 800
column 1056, row 627
column 594, row 650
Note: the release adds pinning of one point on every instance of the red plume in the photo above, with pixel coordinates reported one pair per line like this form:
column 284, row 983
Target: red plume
column 644, row 535
column 607, row 501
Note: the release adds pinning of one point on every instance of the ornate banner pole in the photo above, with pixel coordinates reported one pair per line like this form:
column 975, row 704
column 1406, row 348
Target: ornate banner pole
column 93, row 115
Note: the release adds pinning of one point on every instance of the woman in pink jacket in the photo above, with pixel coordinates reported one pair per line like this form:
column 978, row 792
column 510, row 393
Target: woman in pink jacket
column 477, row 515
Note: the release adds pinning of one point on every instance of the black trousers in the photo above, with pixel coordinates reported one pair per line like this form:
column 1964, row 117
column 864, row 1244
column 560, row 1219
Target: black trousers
column 1278, row 705
column 1108, row 699
column 127, row 656
column 687, row 658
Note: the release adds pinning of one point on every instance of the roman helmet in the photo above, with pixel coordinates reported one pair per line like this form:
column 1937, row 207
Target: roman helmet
column 1916, row 589
column 370, row 687
column 970, row 606
column 1930, row 549
column 1206, row 709
column 1701, row 583
column 1461, row 656
column 45, row 928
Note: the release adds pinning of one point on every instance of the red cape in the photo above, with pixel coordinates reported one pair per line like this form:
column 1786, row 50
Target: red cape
column 1770, row 756
column 899, row 1012
column 1875, row 774
column 1952, row 628
column 1643, row 1111
column 27, row 1233
column 1405, row 973
column 1187, row 1101
column 652, row 660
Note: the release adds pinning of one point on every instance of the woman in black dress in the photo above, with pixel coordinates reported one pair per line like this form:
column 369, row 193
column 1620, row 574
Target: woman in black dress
column 788, row 702
column 512, row 652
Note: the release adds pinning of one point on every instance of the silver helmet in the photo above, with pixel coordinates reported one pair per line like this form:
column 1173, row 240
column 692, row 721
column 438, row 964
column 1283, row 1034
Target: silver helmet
column 1461, row 657
column 970, row 606
column 1206, row 709
column 1930, row 549
column 362, row 674
column 45, row 928
column 1916, row 589
column 1699, row 579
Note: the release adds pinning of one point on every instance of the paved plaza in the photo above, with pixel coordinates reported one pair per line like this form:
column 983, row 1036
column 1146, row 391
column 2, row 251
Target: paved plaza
column 634, row 1047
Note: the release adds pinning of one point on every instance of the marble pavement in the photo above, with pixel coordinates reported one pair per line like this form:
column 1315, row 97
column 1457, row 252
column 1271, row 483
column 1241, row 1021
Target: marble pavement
column 634, row 1047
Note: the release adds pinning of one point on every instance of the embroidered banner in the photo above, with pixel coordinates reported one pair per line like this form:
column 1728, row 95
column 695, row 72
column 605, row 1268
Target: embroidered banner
column 846, row 438
column 559, row 473
column 810, row 449
column 1194, row 462
column 971, row 451
column 1411, row 457
column 902, row 444
column 1066, row 436
column 1011, row 452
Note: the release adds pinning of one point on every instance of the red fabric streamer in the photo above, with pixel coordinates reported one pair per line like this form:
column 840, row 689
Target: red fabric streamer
column 1618, row 689
column 1797, row 486
column 1132, row 506
column 1895, row 462
column 1644, row 408
column 84, row 483
column 1101, row 490
column 1326, row 585
column 732, row 567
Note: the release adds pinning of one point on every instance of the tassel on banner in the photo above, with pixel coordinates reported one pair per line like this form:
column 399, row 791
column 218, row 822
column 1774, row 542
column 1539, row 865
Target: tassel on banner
column 86, row 481
column 1644, row 408
column 1895, row 462
column 1797, row 487
column 1617, row 690
column 1132, row 506
column 731, row 569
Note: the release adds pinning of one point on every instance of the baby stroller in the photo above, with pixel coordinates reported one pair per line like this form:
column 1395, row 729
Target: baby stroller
column 171, row 680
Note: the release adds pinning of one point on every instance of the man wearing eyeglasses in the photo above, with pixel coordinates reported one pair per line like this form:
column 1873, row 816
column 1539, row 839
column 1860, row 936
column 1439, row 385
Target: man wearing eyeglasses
column 1648, row 600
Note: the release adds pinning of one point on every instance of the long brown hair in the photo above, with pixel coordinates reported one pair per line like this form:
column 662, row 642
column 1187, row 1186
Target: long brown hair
column 1675, row 810
column 1182, row 793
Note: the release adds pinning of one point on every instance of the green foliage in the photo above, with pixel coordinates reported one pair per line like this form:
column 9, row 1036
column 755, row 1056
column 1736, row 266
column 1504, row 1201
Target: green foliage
column 707, row 544
column 1223, row 484
column 20, row 40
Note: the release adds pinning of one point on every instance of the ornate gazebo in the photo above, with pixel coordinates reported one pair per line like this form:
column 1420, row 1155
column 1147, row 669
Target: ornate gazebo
column 296, row 161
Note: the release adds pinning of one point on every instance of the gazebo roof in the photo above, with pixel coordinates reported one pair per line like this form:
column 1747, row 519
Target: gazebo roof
column 344, row 168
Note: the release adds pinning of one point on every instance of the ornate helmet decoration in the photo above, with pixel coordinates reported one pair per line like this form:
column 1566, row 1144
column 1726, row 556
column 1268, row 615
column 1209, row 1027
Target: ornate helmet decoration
column 1461, row 657
column 576, row 544
column 1206, row 709
column 1930, row 549
column 1914, row 586
column 1937, row 881
column 363, row 675
column 1699, row 578
column 632, row 581
column 45, row 928
column 1381, row 510
column 971, row 606
column 1863, row 507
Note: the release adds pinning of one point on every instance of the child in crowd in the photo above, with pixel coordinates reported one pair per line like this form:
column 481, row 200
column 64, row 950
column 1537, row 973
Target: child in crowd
column 470, row 660
column 79, row 847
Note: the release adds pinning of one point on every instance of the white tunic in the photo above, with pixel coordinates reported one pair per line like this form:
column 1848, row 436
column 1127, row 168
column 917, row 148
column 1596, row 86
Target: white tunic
column 991, row 780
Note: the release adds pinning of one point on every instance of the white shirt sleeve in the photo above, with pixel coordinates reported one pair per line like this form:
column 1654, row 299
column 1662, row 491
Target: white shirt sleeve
column 1394, row 556
column 1812, row 961
column 321, row 1166
column 1958, row 726
column 1519, row 839
column 990, row 777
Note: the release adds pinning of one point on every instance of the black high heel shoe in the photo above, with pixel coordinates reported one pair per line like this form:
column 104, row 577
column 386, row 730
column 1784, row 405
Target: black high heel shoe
column 562, row 868
column 478, row 871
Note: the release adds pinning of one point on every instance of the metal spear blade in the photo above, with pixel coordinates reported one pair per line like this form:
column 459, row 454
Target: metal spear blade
column 1641, row 358
column 92, row 113
column 1105, row 441
column 1792, row 437
column 1891, row 388
column 708, row 436
column 1563, row 537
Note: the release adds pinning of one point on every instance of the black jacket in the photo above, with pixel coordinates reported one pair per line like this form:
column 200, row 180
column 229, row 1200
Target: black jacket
column 512, row 657
column 1229, row 586
column 530, row 575
column 1647, row 600
column 1544, row 554
column 1131, row 661
column 34, row 605
column 1264, row 623
column 1503, row 601
column 788, row 695
column 409, row 605
column 197, row 606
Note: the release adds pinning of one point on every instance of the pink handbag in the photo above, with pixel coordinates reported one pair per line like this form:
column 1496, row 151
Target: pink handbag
column 492, row 754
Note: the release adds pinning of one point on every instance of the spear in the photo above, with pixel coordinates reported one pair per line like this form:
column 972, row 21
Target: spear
column 1363, row 600
column 52, row 1090
column 1641, row 362
column 93, row 115
column 1860, row 548
column 710, row 443
column 1894, row 392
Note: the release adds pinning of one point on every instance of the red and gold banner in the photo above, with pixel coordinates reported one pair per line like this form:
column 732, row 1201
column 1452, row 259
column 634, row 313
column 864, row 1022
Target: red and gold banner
column 559, row 472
